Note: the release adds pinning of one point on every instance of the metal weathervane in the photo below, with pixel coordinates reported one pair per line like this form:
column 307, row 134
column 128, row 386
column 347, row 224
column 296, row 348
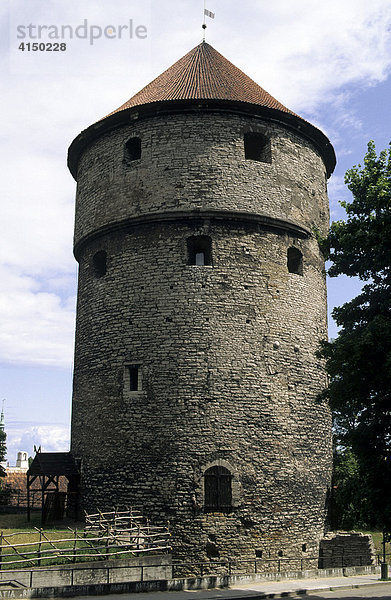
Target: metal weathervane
column 207, row 13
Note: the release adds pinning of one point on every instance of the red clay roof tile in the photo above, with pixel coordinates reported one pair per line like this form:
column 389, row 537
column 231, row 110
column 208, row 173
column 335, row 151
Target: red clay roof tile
column 204, row 74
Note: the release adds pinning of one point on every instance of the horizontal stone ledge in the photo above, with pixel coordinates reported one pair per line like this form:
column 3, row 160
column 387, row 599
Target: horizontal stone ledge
column 222, row 216
column 229, row 107
column 206, row 582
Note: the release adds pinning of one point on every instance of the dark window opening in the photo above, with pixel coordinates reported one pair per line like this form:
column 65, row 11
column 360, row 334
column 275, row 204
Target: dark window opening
column 257, row 147
column 99, row 263
column 304, row 548
column 259, row 553
column 132, row 149
column 134, row 378
column 295, row 261
column 212, row 550
column 218, row 490
column 199, row 250
column 280, row 553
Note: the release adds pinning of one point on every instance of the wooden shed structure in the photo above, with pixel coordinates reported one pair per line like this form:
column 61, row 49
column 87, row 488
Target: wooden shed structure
column 59, row 476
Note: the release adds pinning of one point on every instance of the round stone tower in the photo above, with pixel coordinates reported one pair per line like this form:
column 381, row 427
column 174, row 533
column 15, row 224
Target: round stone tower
column 201, row 305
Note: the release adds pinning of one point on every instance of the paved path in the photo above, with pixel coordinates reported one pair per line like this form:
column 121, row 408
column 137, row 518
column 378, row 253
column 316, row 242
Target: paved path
column 272, row 589
column 376, row 592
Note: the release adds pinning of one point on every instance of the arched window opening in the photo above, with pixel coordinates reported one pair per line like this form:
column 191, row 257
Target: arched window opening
column 132, row 149
column 257, row 147
column 199, row 250
column 99, row 263
column 218, row 490
column 295, row 261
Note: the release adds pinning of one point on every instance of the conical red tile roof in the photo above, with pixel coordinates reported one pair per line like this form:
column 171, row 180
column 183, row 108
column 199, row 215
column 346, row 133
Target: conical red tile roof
column 203, row 74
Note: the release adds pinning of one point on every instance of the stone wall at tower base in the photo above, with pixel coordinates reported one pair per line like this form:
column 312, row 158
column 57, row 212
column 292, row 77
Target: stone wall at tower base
column 346, row 549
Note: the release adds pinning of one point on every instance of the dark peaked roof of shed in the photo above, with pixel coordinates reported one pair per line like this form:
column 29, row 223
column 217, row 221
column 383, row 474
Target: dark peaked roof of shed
column 203, row 74
column 53, row 463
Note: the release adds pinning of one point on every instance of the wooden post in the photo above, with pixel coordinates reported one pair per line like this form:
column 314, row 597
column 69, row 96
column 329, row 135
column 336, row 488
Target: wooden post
column 39, row 547
column 107, row 541
column 147, row 544
column 42, row 499
column 1, row 549
column 75, row 545
column 28, row 497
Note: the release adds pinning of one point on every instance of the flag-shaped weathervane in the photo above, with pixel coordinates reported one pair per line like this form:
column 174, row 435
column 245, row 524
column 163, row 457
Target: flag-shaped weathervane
column 207, row 13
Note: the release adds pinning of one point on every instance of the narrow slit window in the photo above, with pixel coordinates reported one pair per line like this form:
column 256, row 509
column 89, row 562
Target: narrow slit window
column 199, row 250
column 134, row 378
column 295, row 261
column 99, row 263
column 257, row 147
column 218, row 490
column 132, row 149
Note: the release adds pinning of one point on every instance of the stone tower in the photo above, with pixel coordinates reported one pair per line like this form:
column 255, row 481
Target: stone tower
column 201, row 304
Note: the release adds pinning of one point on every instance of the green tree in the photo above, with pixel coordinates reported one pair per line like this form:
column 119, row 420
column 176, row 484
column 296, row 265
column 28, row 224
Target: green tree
column 359, row 359
column 5, row 490
column 350, row 506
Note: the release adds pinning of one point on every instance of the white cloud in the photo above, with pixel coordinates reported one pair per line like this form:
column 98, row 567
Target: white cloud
column 35, row 326
column 305, row 53
column 52, row 437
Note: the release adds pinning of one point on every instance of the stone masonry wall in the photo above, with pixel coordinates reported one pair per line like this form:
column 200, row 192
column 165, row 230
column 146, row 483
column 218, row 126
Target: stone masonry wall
column 346, row 549
column 227, row 351
column 196, row 161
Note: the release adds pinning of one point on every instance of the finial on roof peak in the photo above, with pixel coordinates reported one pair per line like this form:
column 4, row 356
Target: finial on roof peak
column 207, row 13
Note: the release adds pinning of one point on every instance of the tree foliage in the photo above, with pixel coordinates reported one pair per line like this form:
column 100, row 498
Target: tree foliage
column 350, row 506
column 359, row 359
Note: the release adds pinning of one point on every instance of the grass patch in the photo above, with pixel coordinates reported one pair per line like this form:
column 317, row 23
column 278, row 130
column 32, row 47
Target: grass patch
column 19, row 521
column 12, row 523
column 377, row 537
column 38, row 551
column 25, row 532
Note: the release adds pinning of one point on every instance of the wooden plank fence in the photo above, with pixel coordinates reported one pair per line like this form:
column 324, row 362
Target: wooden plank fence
column 105, row 536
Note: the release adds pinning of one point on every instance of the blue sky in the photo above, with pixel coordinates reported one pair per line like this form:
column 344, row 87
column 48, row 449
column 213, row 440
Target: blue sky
column 329, row 62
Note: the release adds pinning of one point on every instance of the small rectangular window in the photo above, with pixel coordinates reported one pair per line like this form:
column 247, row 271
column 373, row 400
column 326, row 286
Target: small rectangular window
column 257, row 147
column 295, row 261
column 133, row 378
column 132, row 150
column 199, row 250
